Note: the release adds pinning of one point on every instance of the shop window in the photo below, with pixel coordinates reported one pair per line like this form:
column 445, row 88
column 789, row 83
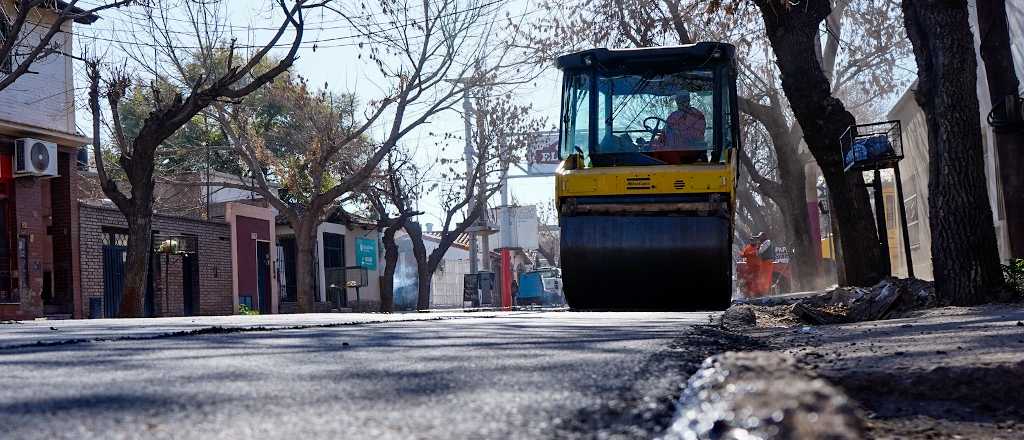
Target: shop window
column 334, row 250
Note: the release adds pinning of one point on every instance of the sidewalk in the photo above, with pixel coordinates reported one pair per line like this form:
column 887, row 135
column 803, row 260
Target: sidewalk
column 951, row 372
column 23, row 333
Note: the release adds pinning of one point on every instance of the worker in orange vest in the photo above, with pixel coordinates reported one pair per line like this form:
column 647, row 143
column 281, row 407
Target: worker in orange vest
column 756, row 273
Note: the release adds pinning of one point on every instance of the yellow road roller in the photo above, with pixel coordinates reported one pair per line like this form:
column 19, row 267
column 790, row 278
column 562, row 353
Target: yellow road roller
column 646, row 188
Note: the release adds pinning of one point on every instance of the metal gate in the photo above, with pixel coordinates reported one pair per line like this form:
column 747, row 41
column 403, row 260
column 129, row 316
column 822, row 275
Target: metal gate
column 263, row 276
column 190, row 283
column 113, row 278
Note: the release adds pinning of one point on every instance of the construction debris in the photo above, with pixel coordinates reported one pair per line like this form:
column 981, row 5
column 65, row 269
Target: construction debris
column 890, row 298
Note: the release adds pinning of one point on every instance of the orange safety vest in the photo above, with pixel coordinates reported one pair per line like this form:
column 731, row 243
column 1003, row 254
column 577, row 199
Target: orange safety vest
column 757, row 273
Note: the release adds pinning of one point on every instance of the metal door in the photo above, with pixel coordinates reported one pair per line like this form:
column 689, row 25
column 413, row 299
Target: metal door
column 190, row 283
column 334, row 269
column 113, row 278
column 263, row 275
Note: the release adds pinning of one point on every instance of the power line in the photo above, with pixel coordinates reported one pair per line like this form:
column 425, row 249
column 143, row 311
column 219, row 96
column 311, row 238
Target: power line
column 315, row 44
column 256, row 28
column 125, row 11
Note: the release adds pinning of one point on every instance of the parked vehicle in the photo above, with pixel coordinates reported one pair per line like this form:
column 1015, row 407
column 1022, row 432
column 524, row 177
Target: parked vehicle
column 541, row 287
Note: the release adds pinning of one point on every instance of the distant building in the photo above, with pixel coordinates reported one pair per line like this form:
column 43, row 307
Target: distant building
column 340, row 244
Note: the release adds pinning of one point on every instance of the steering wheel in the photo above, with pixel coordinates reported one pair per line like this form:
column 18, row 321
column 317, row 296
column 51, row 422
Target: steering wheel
column 658, row 125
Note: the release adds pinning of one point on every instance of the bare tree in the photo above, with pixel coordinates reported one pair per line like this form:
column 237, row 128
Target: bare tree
column 964, row 250
column 548, row 245
column 503, row 131
column 417, row 48
column 391, row 196
column 462, row 195
column 230, row 77
column 28, row 29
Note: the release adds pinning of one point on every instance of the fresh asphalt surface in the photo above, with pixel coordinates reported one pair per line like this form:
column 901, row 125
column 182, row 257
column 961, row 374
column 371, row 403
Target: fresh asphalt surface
column 505, row 375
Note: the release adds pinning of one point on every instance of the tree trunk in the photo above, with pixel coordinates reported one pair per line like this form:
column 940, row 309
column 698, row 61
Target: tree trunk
column 140, row 236
column 387, row 284
column 305, row 244
column 423, row 272
column 424, row 282
column 793, row 180
column 964, row 252
column 1008, row 137
column 789, row 193
column 793, row 31
column 804, row 262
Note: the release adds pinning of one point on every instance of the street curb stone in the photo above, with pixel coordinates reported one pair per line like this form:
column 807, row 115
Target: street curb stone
column 763, row 395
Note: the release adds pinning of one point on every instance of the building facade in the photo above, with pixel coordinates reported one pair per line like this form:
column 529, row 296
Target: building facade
column 38, row 209
column 253, row 238
column 338, row 249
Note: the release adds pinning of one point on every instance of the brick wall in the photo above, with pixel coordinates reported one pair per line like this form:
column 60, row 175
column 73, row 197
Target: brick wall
column 214, row 261
column 45, row 215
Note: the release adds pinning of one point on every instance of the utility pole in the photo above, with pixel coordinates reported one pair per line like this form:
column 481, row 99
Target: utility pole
column 482, row 145
column 467, row 108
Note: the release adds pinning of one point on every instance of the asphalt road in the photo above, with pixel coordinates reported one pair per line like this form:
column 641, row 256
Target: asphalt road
column 508, row 375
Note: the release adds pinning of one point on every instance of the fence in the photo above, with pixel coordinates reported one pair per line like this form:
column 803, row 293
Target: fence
column 447, row 284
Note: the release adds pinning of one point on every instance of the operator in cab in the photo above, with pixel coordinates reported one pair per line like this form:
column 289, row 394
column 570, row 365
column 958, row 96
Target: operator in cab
column 683, row 139
column 685, row 125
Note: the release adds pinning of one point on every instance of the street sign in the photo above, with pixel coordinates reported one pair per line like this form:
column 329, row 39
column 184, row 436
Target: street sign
column 366, row 253
column 543, row 157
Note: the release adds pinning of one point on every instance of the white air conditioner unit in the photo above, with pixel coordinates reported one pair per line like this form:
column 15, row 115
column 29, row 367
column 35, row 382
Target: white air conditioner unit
column 33, row 157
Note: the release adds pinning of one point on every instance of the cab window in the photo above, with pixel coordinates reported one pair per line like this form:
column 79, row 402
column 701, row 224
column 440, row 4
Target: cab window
column 575, row 114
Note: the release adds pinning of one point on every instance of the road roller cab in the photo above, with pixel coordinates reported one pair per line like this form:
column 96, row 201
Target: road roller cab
column 646, row 188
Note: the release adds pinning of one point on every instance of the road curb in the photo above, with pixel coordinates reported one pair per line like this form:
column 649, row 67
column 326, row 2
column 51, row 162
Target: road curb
column 762, row 395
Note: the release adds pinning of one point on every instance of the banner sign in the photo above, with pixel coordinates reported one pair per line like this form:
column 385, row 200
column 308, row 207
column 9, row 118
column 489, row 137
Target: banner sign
column 543, row 155
column 366, row 253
